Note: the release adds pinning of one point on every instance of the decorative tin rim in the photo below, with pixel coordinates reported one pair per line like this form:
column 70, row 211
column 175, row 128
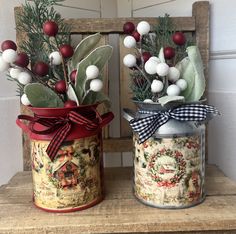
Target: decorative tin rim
column 63, row 108
column 169, row 207
column 68, row 210
column 156, row 105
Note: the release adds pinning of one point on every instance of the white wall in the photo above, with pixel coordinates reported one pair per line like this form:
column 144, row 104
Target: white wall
column 10, row 135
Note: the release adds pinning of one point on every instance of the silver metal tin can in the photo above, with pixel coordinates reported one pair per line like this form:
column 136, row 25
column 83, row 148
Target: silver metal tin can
column 169, row 167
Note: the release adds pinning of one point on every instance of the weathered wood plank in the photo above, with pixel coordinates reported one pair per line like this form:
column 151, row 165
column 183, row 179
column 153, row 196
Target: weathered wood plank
column 201, row 12
column 117, row 145
column 115, row 25
column 119, row 212
column 125, row 91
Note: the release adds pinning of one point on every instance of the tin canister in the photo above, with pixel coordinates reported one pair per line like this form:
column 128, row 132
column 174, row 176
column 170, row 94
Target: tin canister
column 169, row 167
column 73, row 180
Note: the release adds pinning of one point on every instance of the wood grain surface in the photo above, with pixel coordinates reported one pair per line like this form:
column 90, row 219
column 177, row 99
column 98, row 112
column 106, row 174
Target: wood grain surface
column 120, row 212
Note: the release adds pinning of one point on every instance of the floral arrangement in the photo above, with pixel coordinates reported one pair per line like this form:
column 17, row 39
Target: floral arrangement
column 165, row 67
column 48, row 70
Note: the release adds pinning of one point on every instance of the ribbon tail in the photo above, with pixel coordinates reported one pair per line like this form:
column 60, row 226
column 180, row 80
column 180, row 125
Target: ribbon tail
column 57, row 140
column 147, row 126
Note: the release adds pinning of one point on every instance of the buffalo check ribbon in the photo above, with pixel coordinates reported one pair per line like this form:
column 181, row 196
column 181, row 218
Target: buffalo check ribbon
column 146, row 126
column 61, row 126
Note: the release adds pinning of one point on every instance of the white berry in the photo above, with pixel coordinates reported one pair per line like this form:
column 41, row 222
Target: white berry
column 182, row 84
column 24, row 100
column 92, row 72
column 129, row 60
column 14, row 72
column 24, row 78
column 156, row 86
column 55, row 57
column 162, row 69
column 150, row 66
column 9, row 55
column 173, row 90
column 173, row 74
column 129, row 42
column 155, row 59
column 143, row 27
column 3, row 65
column 96, row 85
column 148, row 101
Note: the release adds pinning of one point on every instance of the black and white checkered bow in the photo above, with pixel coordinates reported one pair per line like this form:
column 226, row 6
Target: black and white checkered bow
column 146, row 126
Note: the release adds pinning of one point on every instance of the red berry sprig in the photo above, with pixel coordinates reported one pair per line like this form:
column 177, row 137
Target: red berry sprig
column 66, row 51
column 70, row 103
column 8, row 44
column 40, row 68
column 73, row 76
column 179, row 38
column 128, row 28
column 22, row 60
column 60, row 87
column 50, row 28
column 169, row 52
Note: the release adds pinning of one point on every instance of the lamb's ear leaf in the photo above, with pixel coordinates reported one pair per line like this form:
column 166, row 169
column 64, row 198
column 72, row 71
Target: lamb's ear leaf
column 161, row 55
column 198, row 70
column 187, row 73
column 97, row 57
column 96, row 97
column 84, row 48
column 167, row 99
column 42, row 96
column 71, row 94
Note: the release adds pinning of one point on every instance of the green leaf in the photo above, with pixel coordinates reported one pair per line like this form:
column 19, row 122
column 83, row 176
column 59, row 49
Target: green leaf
column 191, row 69
column 167, row 99
column 161, row 55
column 41, row 96
column 187, row 73
column 71, row 94
column 199, row 79
column 94, row 97
column 97, row 57
column 84, row 47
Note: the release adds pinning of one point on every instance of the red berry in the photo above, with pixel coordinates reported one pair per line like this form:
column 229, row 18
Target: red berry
column 179, row 38
column 128, row 27
column 70, row 103
column 50, row 28
column 136, row 36
column 60, row 86
column 41, row 68
column 8, row 44
column 66, row 51
column 146, row 56
column 22, row 60
column 73, row 76
column 169, row 52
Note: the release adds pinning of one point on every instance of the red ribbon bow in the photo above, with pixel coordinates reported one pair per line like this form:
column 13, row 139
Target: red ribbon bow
column 61, row 126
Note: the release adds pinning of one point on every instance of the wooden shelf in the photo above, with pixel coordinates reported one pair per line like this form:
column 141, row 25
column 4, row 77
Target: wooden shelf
column 120, row 212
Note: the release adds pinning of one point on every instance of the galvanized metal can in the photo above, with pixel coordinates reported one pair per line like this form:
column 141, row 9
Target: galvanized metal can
column 169, row 167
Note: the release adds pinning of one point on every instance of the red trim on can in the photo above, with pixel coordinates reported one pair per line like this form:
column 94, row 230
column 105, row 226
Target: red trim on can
column 93, row 203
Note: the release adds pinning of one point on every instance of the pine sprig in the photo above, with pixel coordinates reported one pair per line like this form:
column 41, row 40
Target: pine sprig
column 160, row 37
column 38, row 45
